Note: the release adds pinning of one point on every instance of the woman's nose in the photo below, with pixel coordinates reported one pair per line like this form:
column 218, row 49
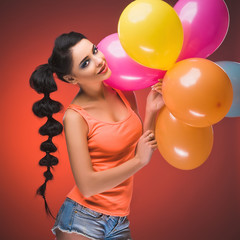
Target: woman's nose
column 99, row 61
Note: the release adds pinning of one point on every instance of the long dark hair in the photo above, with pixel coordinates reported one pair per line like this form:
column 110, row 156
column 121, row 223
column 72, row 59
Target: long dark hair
column 42, row 81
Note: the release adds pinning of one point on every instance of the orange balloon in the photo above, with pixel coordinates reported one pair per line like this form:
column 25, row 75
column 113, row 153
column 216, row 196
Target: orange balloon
column 183, row 146
column 197, row 91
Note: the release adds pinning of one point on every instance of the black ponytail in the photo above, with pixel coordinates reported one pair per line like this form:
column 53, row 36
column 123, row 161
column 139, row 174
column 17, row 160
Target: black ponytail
column 42, row 81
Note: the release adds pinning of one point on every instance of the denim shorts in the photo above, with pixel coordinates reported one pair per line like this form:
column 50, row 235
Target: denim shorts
column 75, row 218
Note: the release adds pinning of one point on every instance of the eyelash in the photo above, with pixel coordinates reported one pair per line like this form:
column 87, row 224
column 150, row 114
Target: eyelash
column 95, row 49
column 86, row 63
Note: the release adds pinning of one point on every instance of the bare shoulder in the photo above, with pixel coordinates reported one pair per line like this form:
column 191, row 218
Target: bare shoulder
column 72, row 119
column 71, row 115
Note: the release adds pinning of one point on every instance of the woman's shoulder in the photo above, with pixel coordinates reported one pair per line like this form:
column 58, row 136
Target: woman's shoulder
column 72, row 115
column 74, row 122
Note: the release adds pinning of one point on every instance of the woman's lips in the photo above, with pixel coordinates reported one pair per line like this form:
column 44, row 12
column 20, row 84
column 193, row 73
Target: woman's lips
column 103, row 69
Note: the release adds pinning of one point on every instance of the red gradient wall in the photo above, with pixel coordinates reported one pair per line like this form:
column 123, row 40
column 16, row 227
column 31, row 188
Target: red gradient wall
column 168, row 204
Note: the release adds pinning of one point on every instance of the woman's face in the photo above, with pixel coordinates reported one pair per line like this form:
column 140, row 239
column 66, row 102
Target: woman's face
column 89, row 64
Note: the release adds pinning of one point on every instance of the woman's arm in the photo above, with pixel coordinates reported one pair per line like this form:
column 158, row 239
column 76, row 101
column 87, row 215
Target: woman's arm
column 149, row 120
column 153, row 105
column 87, row 180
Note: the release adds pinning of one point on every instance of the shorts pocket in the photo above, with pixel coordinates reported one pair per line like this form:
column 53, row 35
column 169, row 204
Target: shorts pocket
column 89, row 213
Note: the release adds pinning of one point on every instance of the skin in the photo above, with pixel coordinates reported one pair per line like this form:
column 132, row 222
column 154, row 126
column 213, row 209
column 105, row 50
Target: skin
column 104, row 104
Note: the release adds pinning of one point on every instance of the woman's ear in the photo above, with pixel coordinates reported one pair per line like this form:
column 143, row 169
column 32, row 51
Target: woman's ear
column 70, row 79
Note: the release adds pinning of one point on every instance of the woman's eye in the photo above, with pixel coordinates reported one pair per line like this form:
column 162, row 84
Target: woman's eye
column 95, row 50
column 85, row 64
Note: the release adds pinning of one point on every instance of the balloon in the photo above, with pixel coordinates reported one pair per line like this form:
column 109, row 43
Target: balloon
column 197, row 91
column 126, row 73
column 151, row 33
column 205, row 25
column 233, row 71
column 181, row 145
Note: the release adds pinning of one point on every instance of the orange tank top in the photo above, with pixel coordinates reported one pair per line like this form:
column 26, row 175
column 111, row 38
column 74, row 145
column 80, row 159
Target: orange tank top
column 110, row 144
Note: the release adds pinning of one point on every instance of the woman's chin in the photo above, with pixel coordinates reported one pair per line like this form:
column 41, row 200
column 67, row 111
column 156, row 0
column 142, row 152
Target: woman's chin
column 107, row 74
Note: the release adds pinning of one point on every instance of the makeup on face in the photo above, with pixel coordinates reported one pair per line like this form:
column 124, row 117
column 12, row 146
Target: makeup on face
column 104, row 69
column 89, row 64
column 85, row 62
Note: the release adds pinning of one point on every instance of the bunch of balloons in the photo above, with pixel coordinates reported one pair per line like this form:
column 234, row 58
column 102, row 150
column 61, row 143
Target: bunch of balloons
column 157, row 41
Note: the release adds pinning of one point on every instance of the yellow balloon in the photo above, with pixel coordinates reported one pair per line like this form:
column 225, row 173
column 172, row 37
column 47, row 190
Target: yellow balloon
column 151, row 33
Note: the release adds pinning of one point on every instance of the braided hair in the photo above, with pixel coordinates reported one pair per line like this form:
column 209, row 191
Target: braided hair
column 42, row 81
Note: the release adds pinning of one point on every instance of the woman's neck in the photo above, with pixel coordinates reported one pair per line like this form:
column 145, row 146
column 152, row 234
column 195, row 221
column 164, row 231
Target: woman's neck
column 96, row 91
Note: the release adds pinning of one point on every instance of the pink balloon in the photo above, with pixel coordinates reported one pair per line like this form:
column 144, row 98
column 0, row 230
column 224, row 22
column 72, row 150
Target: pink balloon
column 205, row 25
column 126, row 73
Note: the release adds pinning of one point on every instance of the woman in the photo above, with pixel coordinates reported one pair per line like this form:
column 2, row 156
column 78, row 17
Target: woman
column 105, row 140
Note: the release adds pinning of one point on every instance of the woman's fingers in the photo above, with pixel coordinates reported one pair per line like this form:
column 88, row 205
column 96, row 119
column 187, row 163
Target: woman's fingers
column 153, row 144
column 148, row 136
column 157, row 87
column 148, row 132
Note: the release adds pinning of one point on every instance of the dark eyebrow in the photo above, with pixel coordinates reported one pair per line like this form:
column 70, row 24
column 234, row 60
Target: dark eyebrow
column 86, row 56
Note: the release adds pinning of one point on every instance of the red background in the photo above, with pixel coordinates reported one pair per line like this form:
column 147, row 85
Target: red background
column 168, row 203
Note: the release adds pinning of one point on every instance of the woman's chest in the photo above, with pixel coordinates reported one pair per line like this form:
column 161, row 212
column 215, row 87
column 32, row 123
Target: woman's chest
column 110, row 111
column 115, row 138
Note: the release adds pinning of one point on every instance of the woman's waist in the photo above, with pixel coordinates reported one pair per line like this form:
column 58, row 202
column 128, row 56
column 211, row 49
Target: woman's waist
column 115, row 201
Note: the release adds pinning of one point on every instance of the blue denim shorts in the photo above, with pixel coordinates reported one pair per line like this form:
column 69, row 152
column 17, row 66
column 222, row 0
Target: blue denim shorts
column 75, row 218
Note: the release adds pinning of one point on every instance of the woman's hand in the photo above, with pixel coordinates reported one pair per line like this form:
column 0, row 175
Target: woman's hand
column 146, row 145
column 154, row 99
